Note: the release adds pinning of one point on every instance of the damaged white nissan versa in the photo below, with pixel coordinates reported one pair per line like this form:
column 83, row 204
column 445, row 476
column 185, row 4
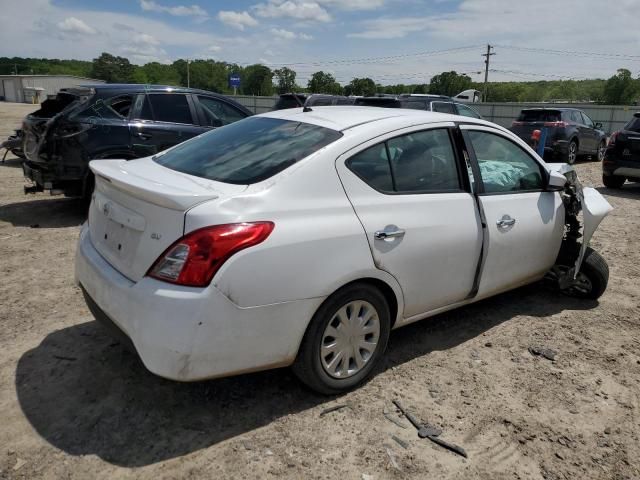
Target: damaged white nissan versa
column 302, row 237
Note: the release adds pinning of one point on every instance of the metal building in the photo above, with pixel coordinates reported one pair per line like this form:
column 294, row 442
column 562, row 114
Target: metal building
column 36, row 88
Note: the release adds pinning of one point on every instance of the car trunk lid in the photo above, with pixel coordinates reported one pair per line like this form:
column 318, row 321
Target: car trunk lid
column 138, row 210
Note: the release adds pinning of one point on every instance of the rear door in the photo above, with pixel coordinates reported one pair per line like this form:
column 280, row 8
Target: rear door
column 420, row 220
column 162, row 120
column 525, row 223
column 590, row 131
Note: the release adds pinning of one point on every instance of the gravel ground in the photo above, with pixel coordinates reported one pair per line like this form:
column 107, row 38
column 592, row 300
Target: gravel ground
column 76, row 405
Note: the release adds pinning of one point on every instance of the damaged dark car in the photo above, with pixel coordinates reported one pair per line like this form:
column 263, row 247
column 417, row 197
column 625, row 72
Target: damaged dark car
column 110, row 121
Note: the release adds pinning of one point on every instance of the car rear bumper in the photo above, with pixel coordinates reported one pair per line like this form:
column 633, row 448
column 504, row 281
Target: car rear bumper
column 189, row 334
column 621, row 168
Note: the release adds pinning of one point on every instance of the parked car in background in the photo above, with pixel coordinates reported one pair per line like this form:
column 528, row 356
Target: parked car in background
column 113, row 121
column 296, row 100
column 432, row 103
column 303, row 237
column 569, row 132
column 622, row 158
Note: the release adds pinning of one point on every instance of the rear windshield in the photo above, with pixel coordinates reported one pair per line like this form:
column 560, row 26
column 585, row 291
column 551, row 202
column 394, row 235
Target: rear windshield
column 289, row 102
column 378, row 102
column 247, row 151
column 539, row 116
column 633, row 125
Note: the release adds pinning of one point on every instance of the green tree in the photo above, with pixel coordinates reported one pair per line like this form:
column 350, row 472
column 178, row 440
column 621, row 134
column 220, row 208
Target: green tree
column 621, row 89
column 112, row 69
column 256, row 80
column 449, row 83
column 360, row 86
column 285, row 80
column 161, row 74
column 321, row 82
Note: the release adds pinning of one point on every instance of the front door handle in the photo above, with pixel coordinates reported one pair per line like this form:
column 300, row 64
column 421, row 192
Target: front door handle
column 506, row 221
column 384, row 234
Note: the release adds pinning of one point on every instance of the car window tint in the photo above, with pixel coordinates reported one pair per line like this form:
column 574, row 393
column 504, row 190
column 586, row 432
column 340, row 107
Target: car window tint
column 586, row 120
column 423, row 161
column 575, row 117
column 247, row 151
column 504, row 166
column 467, row 111
column 372, row 166
column 217, row 112
column 633, row 125
column 114, row 108
column 121, row 105
column 539, row 116
column 345, row 101
column 170, row 107
column 144, row 107
column 414, row 105
column 319, row 102
column 443, row 107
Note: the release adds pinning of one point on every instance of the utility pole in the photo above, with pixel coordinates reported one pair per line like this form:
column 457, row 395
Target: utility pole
column 486, row 70
column 188, row 75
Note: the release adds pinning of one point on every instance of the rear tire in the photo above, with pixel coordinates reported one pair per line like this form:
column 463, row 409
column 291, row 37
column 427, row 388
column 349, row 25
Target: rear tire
column 595, row 270
column 350, row 314
column 613, row 181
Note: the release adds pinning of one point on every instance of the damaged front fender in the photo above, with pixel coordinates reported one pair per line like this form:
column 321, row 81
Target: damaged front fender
column 594, row 208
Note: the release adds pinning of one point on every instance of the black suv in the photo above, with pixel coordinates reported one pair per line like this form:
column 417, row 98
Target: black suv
column 569, row 132
column 113, row 121
column 433, row 103
column 622, row 158
column 296, row 100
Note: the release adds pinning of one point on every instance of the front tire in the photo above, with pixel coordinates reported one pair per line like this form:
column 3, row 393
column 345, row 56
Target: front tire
column 593, row 277
column 613, row 181
column 602, row 151
column 345, row 340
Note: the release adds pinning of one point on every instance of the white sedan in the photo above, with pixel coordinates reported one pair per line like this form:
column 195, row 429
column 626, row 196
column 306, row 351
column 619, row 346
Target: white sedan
column 303, row 237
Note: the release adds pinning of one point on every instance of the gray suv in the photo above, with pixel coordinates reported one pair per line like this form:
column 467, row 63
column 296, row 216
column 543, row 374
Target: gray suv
column 433, row 103
column 569, row 132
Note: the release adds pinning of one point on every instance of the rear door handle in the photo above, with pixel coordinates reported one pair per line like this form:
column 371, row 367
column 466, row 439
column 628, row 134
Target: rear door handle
column 143, row 136
column 506, row 221
column 384, row 234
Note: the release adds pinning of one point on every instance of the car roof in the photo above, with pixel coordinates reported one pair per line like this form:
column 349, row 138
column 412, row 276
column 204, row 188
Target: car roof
column 541, row 109
column 345, row 117
column 138, row 87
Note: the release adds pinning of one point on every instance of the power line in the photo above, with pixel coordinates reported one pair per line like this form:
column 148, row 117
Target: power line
column 572, row 52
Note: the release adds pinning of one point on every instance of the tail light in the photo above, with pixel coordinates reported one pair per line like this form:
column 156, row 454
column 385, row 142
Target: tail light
column 613, row 138
column 195, row 258
column 556, row 124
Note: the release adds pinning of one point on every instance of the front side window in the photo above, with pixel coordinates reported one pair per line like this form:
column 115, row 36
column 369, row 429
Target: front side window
column 467, row 111
column 419, row 162
column 247, row 151
column 217, row 113
column 504, row 166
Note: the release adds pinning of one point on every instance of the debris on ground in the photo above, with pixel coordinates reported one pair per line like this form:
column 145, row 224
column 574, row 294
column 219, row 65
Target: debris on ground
column 335, row 408
column 389, row 416
column 400, row 442
column 544, row 352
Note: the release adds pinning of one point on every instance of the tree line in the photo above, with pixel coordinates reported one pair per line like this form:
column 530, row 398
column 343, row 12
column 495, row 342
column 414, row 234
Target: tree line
column 621, row 89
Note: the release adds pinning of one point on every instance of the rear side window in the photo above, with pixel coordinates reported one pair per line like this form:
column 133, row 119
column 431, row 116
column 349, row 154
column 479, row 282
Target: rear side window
column 419, row 162
column 290, row 101
column 633, row 125
column 166, row 107
column 539, row 116
column 319, row 102
column 467, row 111
column 575, row 117
column 247, row 151
column 443, row 107
column 414, row 104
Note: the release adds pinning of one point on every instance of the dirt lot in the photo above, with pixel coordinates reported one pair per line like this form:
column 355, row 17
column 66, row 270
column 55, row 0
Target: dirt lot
column 75, row 405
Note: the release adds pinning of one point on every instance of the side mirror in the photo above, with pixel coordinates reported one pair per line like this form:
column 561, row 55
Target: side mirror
column 598, row 125
column 556, row 182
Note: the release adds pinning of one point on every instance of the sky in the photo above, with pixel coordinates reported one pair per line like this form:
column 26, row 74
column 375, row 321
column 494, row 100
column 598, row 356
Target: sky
column 391, row 41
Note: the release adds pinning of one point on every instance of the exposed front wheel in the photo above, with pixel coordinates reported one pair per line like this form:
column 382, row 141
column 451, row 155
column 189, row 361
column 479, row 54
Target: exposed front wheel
column 592, row 279
column 613, row 181
column 345, row 340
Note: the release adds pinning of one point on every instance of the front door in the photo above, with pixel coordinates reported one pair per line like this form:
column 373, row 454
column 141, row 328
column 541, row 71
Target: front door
column 525, row 223
column 162, row 120
column 421, row 221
